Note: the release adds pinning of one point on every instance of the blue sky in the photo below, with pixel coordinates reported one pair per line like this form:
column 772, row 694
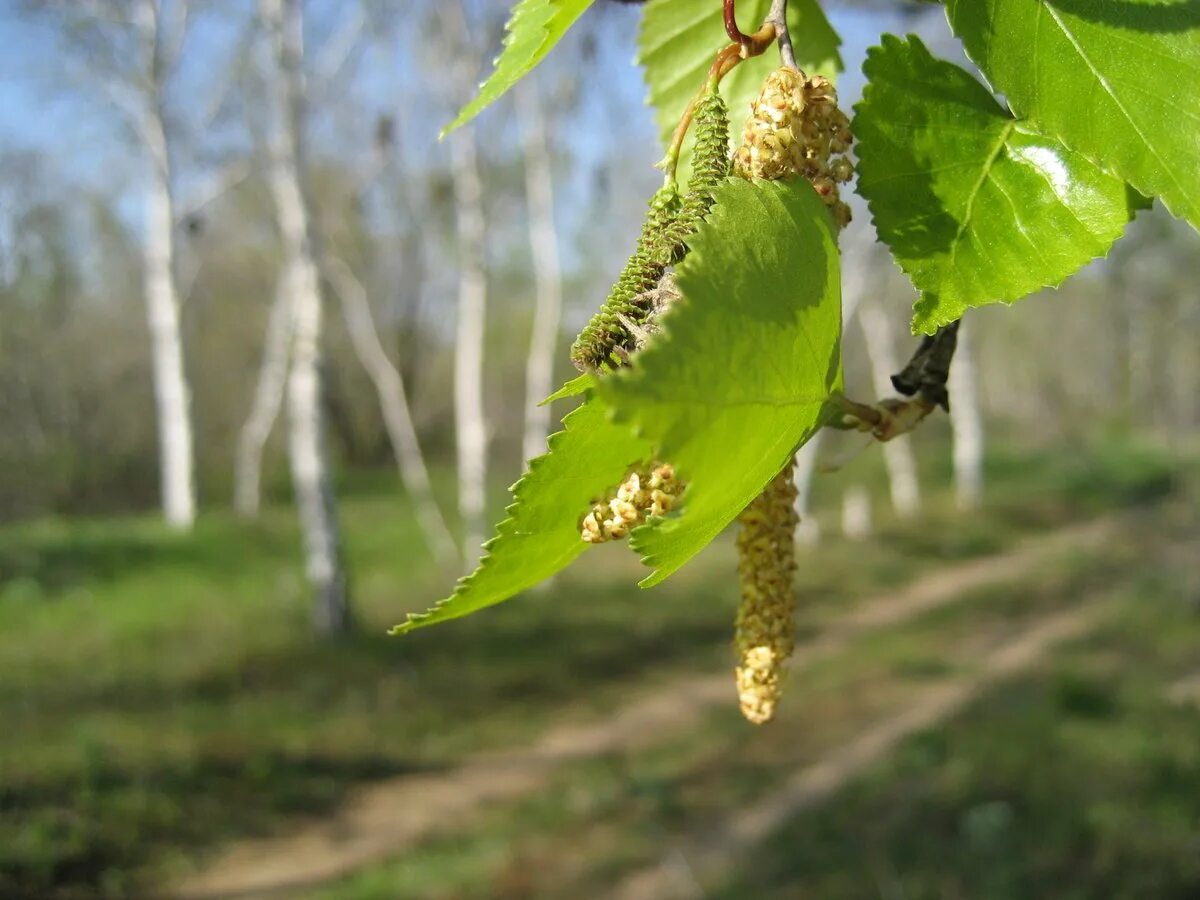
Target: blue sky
column 48, row 108
column 45, row 108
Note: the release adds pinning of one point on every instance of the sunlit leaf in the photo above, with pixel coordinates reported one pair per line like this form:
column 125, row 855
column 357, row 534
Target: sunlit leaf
column 742, row 373
column 1116, row 80
column 976, row 206
column 532, row 31
column 541, row 535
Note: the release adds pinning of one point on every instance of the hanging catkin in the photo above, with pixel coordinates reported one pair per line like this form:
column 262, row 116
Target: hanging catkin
column 765, row 626
column 608, row 339
column 795, row 130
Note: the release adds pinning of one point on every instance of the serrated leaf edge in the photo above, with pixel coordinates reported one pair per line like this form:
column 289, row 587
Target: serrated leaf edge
column 929, row 323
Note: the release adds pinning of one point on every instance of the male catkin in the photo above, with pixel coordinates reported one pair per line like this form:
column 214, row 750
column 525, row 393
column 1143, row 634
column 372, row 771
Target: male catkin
column 648, row 492
column 607, row 340
column 597, row 344
column 795, row 130
column 765, row 628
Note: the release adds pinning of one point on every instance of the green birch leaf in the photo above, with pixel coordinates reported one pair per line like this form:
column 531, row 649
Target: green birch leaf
column 742, row 372
column 1116, row 80
column 576, row 386
column 976, row 206
column 679, row 39
column 532, row 31
column 541, row 536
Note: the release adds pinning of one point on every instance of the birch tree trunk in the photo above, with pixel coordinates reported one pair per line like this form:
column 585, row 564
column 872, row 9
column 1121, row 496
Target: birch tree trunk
column 172, row 397
column 967, row 423
column 856, row 243
column 471, row 230
column 393, row 403
column 299, row 279
column 268, row 398
column 470, row 425
column 808, row 532
column 543, row 240
column 898, row 455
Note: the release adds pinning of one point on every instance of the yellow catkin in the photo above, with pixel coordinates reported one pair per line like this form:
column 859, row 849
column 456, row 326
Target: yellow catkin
column 646, row 493
column 765, row 628
column 795, row 129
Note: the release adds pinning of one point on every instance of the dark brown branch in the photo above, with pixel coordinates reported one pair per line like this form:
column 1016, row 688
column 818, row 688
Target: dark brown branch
column 929, row 369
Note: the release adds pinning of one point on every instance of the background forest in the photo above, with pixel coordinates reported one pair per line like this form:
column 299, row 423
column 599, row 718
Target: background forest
column 270, row 355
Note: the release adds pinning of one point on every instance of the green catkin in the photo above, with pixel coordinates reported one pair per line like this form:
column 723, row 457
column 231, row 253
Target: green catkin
column 607, row 339
column 710, row 166
column 597, row 343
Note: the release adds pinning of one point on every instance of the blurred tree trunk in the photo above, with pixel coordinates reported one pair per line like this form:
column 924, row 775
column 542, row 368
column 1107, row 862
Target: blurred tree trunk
column 268, row 398
column 393, row 403
column 471, row 228
column 966, row 420
column 857, row 259
column 298, row 280
column 808, row 532
column 543, row 240
column 898, row 454
column 470, row 425
column 172, row 396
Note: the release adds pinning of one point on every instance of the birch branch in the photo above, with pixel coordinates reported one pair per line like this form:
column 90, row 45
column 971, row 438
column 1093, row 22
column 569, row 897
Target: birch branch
column 393, row 402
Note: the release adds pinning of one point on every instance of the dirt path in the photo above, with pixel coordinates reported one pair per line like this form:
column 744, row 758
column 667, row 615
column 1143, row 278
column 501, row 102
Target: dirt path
column 680, row 874
column 383, row 820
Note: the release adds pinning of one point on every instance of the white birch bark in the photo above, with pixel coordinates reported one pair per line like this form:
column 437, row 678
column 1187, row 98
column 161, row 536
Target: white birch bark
column 543, row 240
column 856, row 243
column 898, row 457
column 966, row 421
column 299, row 279
column 808, row 532
column 268, row 398
column 172, row 396
column 469, row 422
column 856, row 512
column 468, row 361
column 471, row 230
column 393, row 403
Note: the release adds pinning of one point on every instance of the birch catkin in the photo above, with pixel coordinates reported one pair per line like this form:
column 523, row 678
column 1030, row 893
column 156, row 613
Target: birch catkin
column 646, row 493
column 795, row 130
column 765, row 627
column 608, row 339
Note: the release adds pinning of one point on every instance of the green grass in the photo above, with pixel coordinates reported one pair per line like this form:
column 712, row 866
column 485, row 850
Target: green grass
column 600, row 820
column 1081, row 780
column 161, row 694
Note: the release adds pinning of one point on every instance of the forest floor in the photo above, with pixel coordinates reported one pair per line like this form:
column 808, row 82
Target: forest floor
column 390, row 817
column 173, row 719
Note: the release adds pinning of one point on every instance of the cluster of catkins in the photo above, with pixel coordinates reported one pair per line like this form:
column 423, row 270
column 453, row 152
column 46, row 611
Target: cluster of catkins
column 796, row 129
column 646, row 494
